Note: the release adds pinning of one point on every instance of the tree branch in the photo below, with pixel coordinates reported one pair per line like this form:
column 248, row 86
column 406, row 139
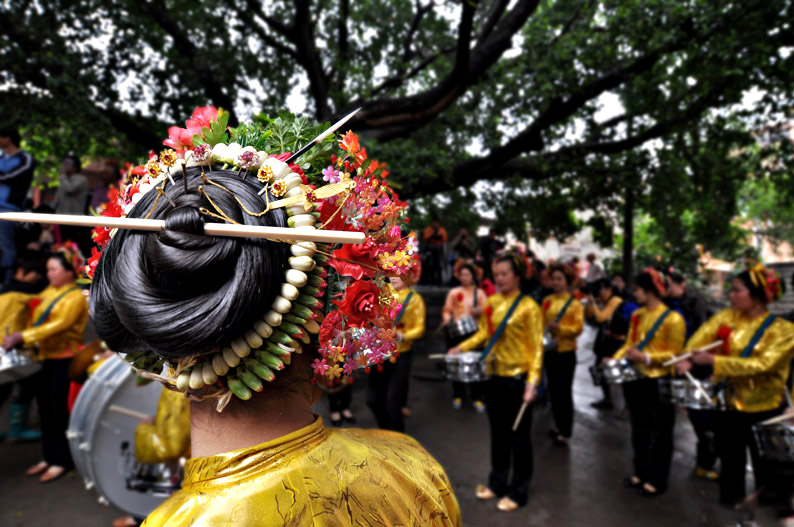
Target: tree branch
column 495, row 12
column 310, row 60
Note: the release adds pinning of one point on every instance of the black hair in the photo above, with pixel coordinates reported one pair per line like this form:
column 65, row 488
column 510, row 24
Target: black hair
column 65, row 263
column 757, row 291
column 12, row 133
column 78, row 165
column 645, row 282
column 603, row 283
column 676, row 277
column 566, row 272
column 518, row 266
column 472, row 270
column 179, row 292
column 33, row 261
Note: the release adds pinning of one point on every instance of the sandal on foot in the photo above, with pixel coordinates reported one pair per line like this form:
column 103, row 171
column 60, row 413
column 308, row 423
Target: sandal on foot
column 632, row 482
column 484, row 493
column 53, row 472
column 507, row 505
column 38, row 468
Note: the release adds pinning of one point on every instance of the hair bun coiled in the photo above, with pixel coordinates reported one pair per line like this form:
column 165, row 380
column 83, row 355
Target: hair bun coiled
column 179, row 292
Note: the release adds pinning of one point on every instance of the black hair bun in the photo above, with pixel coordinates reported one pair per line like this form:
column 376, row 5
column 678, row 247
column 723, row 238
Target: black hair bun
column 179, row 292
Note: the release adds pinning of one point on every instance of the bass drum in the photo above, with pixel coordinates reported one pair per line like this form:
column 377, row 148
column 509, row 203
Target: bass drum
column 101, row 439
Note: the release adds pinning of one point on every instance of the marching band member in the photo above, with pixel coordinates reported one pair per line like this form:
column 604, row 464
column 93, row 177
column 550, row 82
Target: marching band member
column 465, row 301
column 387, row 393
column 57, row 329
column 656, row 335
column 612, row 329
column 512, row 327
column 563, row 317
column 754, row 364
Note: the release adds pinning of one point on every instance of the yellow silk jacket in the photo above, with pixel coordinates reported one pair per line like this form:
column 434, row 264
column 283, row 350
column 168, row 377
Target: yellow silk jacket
column 666, row 343
column 600, row 315
column 412, row 323
column 315, row 477
column 62, row 333
column 14, row 311
column 755, row 383
column 168, row 438
column 520, row 348
column 571, row 324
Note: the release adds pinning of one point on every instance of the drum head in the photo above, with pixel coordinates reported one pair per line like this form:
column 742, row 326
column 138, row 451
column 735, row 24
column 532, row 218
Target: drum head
column 15, row 366
column 104, row 448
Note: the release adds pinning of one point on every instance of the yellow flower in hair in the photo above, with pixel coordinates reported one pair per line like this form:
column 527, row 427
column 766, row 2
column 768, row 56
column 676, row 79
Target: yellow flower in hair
column 279, row 188
column 168, row 158
column 265, row 174
column 153, row 168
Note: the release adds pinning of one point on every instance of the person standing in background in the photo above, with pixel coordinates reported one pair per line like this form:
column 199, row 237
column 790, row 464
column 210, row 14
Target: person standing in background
column 434, row 238
column 72, row 198
column 489, row 248
column 16, row 174
column 595, row 270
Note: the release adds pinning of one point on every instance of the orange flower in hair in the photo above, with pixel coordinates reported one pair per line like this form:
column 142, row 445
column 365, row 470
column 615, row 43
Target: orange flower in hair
column 658, row 280
column 767, row 279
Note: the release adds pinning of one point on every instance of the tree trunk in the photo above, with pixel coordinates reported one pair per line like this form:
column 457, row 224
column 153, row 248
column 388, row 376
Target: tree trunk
column 628, row 235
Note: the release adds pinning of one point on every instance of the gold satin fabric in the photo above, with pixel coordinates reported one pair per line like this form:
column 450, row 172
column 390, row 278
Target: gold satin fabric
column 601, row 315
column 520, row 348
column 667, row 343
column 62, row 333
column 571, row 324
column 315, row 477
column 14, row 312
column 168, row 438
column 412, row 323
column 755, row 383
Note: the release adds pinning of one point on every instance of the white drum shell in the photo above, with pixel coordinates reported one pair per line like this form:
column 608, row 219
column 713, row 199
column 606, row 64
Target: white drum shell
column 619, row 371
column 681, row 392
column 96, row 434
column 461, row 328
column 15, row 366
column 465, row 367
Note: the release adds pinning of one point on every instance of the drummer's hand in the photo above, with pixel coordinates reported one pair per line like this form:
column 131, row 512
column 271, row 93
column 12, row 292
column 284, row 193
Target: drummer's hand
column 12, row 340
column 454, row 351
column 683, row 367
column 148, row 421
column 530, row 393
column 702, row 357
column 476, row 311
column 554, row 328
column 635, row 355
column 606, row 360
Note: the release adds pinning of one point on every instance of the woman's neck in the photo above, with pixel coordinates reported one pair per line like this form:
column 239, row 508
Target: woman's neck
column 755, row 311
column 561, row 293
column 652, row 303
column 247, row 423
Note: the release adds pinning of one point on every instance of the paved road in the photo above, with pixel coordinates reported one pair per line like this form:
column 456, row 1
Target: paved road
column 579, row 486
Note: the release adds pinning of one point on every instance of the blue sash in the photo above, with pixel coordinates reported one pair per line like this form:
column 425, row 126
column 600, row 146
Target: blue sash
column 563, row 310
column 501, row 328
column 649, row 336
column 757, row 336
column 43, row 317
column 402, row 310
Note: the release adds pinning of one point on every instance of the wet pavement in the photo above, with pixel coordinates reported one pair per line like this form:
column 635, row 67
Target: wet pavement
column 575, row 486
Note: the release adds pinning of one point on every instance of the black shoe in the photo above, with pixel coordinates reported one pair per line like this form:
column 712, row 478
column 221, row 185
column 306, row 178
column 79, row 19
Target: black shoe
column 350, row 420
column 336, row 422
column 629, row 483
column 603, row 404
column 553, row 433
column 645, row 493
column 560, row 441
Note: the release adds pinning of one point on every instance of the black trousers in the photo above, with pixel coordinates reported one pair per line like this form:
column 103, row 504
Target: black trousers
column 52, row 394
column 387, row 392
column 703, row 424
column 560, row 369
column 733, row 434
column 652, row 422
column 340, row 400
column 459, row 390
column 509, row 449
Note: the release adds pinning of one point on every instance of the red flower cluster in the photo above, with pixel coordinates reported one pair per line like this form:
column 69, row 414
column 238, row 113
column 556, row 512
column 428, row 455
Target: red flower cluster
column 356, row 260
column 360, row 304
column 180, row 139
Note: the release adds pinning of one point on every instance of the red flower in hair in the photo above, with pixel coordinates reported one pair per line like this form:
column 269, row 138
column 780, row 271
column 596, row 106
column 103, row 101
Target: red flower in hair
column 93, row 262
column 333, row 322
column 360, row 304
column 356, row 260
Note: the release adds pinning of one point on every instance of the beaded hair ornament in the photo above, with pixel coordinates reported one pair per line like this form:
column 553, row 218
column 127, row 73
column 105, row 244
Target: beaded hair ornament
column 71, row 252
column 336, row 296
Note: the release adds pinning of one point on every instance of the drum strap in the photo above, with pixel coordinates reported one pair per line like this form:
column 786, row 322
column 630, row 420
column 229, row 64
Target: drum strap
column 649, row 337
column 563, row 310
column 757, row 336
column 43, row 317
column 405, row 306
column 501, row 328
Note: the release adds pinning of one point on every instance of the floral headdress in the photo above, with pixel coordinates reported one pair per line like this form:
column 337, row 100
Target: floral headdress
column 658, row 280
column 71, row 252
column 766, row 279
column 334, row 296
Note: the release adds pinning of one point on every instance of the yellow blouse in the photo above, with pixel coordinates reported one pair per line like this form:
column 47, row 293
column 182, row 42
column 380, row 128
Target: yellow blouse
column 666, row 343
column 62, row 333
column 315, row 477
column 168, row 438
column 571, row 324
column 14, row 311
column 603, row 315
column 412, row 323
column 755, row 383
column 520, row 348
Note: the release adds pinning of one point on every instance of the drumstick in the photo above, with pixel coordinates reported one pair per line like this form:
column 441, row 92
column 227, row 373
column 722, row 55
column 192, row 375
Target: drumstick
column 685, row 356
column 520, row 415
column 437, row 356
column 698, row 387
column 778, row 419
column 128, row 412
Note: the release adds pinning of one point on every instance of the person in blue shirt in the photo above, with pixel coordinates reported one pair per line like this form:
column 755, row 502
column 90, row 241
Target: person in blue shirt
column 16, row 174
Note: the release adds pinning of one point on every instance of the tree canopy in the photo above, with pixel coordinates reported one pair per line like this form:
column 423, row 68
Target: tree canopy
column 452, row 92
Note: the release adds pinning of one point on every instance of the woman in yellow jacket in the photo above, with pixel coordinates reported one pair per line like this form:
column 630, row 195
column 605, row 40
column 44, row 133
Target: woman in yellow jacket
column 515, row 363
column 57, row 330
column 752, row 365
column 563, row 317
column 656, row 335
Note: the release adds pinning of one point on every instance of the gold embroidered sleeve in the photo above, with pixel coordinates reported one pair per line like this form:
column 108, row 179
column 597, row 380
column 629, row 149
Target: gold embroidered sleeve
column 67, row 313
column 668, row 341
column 534, row 339
column 572, row 323
column 169, row 437
column 414, row 319
column 773, row 350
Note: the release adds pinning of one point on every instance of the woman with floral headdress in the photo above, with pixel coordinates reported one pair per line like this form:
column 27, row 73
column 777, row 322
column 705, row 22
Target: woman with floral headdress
column 56, row 329
column 656, row 335
column 511, row 332
column 563, row 317
column 246, row 326
column 753, row 365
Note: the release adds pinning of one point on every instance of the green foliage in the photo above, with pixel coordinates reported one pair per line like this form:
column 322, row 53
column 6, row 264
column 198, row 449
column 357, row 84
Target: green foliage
column 216, row 133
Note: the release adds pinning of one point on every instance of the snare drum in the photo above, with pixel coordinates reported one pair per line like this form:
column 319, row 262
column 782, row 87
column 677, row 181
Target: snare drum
column 461, row 328
column 775, row 442
column 465, row 367
column 549, row 341
column 102, row 441
column 619, row 371
column 682, row 392
column 16, row 364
